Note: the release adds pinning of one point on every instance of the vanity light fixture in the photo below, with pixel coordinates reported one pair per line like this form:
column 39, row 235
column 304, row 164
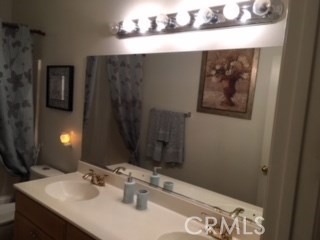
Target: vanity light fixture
column 65, row 139
column 229, row 15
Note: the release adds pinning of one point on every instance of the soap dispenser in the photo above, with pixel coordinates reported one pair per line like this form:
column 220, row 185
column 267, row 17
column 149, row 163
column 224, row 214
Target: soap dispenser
column 155, row 178
column 129, row 190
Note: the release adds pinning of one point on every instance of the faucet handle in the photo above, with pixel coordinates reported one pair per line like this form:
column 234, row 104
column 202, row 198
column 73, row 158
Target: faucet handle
column 90, row 174
column 214, row 229
column 217, row 232
column 94, row 179
column 226, row 236
column 235, row 213
column 101, row 180
column 117, row 170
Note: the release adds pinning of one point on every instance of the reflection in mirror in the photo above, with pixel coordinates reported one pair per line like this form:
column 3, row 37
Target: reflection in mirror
column 222, row 156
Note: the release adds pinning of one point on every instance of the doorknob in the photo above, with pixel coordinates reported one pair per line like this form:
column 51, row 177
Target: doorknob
column 264, row 169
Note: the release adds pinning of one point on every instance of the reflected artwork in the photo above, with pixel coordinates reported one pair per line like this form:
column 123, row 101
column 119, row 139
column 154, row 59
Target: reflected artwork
column 227, row 82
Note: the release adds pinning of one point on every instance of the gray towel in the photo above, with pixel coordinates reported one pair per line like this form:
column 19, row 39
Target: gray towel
column 166, row 136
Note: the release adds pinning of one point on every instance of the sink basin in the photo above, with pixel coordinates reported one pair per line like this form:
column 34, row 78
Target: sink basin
column 182, row 236
column 71, row 190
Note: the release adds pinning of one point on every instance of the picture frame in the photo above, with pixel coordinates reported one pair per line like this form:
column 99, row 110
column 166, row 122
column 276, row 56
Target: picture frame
column 60, row 87
column 228, row 81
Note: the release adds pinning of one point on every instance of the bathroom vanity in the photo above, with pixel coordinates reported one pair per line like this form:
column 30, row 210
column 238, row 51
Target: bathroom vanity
column 69, row 207
column 34, row 221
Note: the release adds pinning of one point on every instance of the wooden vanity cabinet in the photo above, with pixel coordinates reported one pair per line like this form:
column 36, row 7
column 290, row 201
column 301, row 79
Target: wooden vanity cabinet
column 35, row 222
column 76, row 234
column 24, row 229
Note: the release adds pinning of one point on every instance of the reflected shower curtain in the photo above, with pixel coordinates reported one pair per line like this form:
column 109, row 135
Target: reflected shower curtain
column 91, row 75
column 125, row 76
column 16, row 101
column 97, row 112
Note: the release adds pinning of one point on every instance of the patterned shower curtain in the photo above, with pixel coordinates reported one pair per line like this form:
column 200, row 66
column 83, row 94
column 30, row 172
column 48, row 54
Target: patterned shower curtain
column 91, row 76
column 16, row 101
column 125, row 75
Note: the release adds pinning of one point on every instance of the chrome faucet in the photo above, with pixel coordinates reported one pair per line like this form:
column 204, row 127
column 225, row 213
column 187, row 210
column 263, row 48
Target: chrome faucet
column 118, row 169
column 235, row 213
column 95, row 179
column 216, row 231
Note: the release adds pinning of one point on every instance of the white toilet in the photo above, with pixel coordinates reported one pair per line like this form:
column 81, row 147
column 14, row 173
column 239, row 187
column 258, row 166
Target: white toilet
column 7, row 210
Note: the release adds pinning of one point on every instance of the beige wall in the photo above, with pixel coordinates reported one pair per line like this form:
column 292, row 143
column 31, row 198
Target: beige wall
column 78, row 28
column 5, row 10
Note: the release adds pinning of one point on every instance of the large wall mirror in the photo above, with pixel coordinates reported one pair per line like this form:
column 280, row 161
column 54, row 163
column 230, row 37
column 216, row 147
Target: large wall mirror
column 222, row 154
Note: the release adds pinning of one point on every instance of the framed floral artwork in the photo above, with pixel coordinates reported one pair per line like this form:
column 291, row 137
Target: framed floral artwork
column 227, row 82
column 60, row 87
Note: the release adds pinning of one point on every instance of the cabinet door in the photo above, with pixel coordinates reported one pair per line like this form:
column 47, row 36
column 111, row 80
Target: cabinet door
column 40, row 216
column 75, row 233
column 25, row 230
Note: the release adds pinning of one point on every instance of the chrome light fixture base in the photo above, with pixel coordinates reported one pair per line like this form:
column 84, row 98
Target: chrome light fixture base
column 269, row 13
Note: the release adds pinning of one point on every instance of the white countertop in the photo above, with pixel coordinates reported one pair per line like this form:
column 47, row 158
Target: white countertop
column 105, row 216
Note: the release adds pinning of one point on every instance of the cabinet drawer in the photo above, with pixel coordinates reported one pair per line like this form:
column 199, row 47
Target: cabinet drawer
column 25, row 230
column 75, row 233
column 47, row 221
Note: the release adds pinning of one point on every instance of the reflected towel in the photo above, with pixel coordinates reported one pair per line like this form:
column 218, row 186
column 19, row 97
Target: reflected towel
column 166, row 136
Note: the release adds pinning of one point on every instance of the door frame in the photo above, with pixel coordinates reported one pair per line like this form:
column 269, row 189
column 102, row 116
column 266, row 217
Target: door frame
column 290, row 119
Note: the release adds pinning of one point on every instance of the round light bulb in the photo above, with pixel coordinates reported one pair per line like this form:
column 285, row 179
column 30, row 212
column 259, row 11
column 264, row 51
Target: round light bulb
column 183, row 18
column 231, row 11
column 144, row 24
column 162, row 21
column 204, row 16
column 65, row 139
column 113, row 28
column 261, row 7
column 246, row 15
column 128, row 25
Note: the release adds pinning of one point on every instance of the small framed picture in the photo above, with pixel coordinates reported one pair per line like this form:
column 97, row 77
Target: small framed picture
column 60, row 87
column 227, row 82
